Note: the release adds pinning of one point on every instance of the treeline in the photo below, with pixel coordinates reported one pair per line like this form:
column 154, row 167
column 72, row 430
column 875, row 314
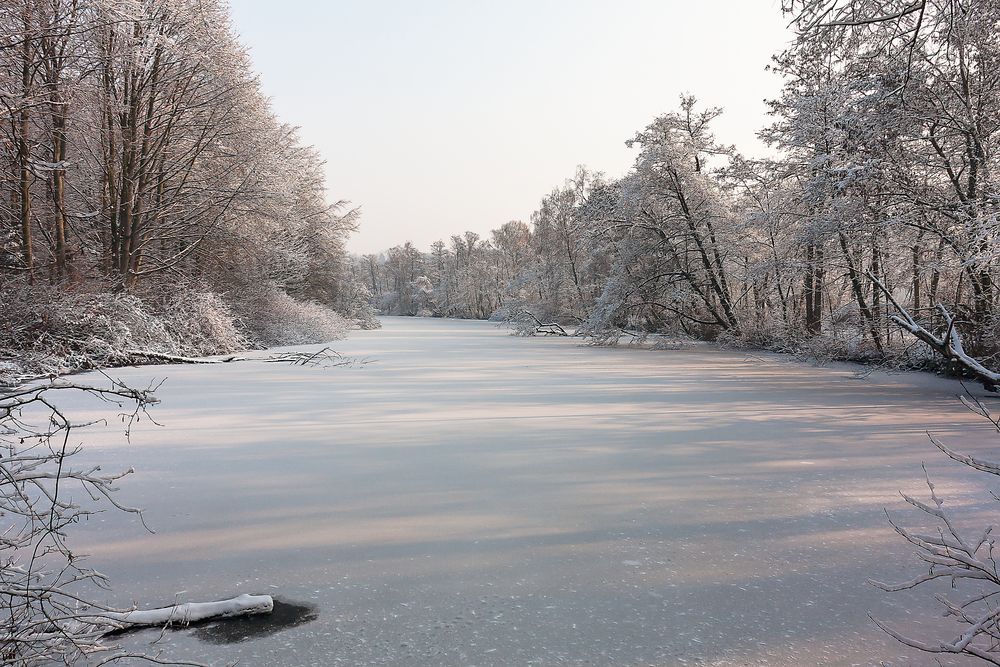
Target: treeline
column 144, row 181
column 887, row 132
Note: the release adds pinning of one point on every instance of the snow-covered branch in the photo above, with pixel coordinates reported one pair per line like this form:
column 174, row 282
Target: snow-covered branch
column 949, row 345
column 179, row 614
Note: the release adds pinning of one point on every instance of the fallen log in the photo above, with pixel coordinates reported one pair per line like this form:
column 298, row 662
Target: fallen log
column 179, row 614
column 177, row 359
column 87, row 630
column 193, row 612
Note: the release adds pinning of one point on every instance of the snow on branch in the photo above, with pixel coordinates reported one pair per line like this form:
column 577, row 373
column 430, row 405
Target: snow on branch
column 182, row 614
column 948, row 346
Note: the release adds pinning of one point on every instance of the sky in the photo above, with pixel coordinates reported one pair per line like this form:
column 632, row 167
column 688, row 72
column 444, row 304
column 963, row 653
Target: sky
column 440, row 116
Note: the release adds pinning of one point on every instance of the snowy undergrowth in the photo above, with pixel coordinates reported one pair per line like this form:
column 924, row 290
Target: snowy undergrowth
column 50, row 331
column 271, row 317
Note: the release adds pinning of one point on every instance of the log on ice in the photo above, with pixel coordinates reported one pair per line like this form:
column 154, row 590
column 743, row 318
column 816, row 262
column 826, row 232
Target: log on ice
column 177, row 359
column 192, row 612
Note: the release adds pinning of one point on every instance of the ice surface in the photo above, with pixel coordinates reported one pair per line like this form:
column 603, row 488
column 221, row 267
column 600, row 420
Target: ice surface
column 474, row 498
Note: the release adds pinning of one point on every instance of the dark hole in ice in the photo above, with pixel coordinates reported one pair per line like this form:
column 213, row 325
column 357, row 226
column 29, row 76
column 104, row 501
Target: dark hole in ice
column 286, row 614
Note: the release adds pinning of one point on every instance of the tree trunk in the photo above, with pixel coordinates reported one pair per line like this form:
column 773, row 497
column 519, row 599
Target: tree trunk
column 859, row 295
column 813, row 289
column 23, row 148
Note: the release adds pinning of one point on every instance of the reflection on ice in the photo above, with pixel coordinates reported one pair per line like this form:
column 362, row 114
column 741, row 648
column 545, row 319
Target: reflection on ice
column 286, row 614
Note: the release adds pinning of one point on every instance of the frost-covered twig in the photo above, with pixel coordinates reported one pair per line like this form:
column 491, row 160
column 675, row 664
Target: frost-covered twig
column 955, row 557
column 958, row 557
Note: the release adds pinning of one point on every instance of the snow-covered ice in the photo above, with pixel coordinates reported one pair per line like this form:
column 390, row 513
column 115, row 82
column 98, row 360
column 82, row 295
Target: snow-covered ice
column 473, row 498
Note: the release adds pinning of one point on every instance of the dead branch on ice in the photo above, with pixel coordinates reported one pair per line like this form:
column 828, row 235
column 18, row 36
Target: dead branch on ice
column 948, row 346
column 325, row 358
column 177, row 359
column 527, row 324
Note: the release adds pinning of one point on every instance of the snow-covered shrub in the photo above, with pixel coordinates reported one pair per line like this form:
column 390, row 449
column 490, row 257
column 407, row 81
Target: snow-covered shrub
column 53, row 331
column 354, row 302
column 671, row 342
column 847, row 345
column 202, row 323
column 843, row 339
column 769, row 335
column 847, row 315
column 270, row 317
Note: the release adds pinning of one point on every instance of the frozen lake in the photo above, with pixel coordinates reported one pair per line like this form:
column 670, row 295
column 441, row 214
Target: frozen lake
column 472, row 498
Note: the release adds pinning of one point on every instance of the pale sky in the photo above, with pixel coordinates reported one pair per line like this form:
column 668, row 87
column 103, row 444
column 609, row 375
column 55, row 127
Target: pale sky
column 441, row 116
